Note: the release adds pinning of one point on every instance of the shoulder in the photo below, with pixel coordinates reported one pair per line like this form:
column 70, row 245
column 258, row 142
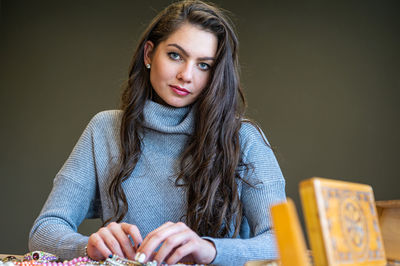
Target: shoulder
column 108, row 118
column 104, row 128
column 258, row 154
column 251, row 134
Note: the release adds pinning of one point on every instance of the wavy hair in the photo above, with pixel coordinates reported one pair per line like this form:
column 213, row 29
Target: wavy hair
column 209, row 168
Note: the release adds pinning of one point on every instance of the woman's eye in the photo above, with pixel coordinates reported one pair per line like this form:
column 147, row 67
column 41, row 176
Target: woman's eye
column 174, row 56
column 204, row 66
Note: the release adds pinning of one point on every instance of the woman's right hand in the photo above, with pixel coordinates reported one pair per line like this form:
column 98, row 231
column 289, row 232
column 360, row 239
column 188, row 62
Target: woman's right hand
column 114, row 239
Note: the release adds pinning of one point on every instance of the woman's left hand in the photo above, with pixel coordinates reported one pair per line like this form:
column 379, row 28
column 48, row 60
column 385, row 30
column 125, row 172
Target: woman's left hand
column 179, row 244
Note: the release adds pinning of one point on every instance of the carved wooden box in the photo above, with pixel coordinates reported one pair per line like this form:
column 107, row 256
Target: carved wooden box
column 342, row 222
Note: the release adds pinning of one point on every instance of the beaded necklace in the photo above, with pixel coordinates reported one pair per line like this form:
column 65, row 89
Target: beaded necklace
column 40, row 258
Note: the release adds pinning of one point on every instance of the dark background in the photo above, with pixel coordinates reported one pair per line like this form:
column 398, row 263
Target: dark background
column 321, row 77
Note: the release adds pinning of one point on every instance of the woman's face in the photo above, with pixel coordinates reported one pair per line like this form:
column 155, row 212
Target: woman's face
column 181, row 65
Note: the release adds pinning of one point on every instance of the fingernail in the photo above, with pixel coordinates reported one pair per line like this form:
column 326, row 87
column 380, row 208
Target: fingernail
column 138, row 246
column 137, row 256
column 142, row 257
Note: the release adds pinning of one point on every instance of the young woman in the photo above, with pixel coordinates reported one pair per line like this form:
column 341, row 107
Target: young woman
column 178, row 174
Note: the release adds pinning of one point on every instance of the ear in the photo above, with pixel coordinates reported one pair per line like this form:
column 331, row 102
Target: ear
column 148, row 50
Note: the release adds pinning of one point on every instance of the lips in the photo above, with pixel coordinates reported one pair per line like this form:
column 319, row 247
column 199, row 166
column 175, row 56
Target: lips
column 179, row 90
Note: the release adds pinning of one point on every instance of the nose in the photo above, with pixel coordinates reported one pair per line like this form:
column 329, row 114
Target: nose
column 185, row 73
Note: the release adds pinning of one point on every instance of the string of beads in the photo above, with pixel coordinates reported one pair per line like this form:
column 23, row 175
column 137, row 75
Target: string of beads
column 40, row 258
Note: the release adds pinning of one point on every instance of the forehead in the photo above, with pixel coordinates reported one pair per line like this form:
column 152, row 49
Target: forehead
column 194, row 40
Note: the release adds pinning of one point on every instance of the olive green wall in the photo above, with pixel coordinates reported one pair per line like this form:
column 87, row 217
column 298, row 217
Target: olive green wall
column 321, row 77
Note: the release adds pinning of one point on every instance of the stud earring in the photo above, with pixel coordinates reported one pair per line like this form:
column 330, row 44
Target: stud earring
column 148, row 66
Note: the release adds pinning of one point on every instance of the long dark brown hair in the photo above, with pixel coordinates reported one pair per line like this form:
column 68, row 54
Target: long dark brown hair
column 210, row 164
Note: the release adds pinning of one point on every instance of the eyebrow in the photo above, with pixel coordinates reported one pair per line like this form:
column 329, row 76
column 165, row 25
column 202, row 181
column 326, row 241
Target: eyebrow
column 186, row 53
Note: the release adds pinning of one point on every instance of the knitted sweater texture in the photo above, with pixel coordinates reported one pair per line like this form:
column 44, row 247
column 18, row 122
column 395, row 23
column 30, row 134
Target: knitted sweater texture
column 80, row 188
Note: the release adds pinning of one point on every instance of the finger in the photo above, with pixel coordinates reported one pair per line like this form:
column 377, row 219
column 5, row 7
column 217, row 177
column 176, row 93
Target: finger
column 134, row 232
column 111, row 242
column 155, row 238
column 123, row 240
column 181, row 252
column 96, row 242
column 162, row 227
column 172, row 243
column 154, row 233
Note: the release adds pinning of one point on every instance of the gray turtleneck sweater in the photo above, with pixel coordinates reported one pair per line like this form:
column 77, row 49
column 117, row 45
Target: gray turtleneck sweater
column 80, row 187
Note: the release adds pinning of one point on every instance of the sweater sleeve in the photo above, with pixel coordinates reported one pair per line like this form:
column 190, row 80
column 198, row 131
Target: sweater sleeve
column 268, row 188
column 73, row 198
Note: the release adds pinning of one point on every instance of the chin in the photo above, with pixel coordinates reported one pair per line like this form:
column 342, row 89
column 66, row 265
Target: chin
column 178, row 104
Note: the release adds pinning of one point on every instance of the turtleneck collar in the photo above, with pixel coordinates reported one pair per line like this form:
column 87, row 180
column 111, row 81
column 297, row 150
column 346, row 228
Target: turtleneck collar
column 168, row 119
